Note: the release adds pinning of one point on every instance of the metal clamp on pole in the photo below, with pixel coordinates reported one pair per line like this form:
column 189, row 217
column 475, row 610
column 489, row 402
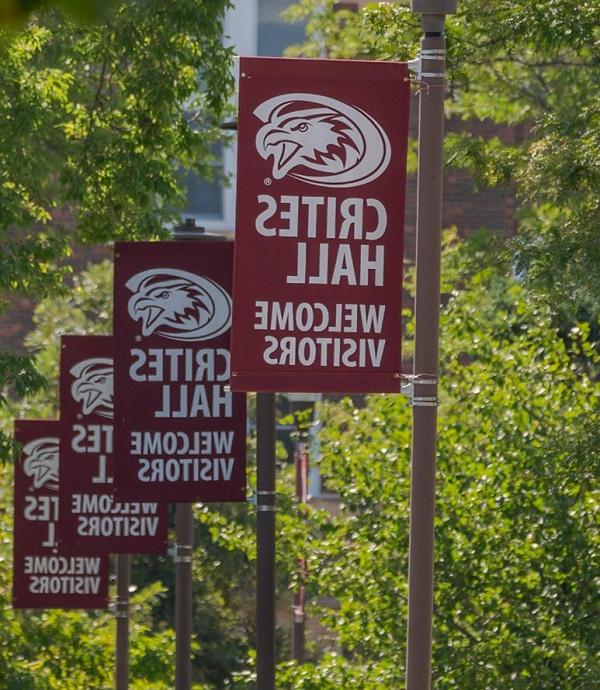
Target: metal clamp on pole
column 182, row 553
column 298, row 613
column 408, row 389
column 429, row 54
column 265, row 501
column 121, row 608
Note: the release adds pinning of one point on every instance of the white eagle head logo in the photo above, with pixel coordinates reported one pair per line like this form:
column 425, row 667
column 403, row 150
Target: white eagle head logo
column 41, row 462
column 94, row 386
column 179, row 305
column 320, row 140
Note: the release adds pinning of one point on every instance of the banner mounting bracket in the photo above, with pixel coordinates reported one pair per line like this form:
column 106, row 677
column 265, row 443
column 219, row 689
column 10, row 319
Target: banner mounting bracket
column 408, row 388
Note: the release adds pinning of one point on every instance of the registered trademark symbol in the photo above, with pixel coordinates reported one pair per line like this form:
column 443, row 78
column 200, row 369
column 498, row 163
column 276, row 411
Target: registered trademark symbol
column 138, row 338
column 268, row 181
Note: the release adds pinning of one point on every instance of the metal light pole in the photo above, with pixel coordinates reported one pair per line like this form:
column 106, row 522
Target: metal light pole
column 299, row 608
column 265, row 541
column 184, row 545
column 122, row 618
column 425, row 362
column 184, row 532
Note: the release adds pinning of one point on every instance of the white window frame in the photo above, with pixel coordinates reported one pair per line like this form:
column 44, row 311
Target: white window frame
column 241, row 32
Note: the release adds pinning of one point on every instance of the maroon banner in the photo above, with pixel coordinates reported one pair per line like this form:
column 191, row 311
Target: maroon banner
column 319, row 225
column 92, row 521
column 180, row 434
column 43, row 575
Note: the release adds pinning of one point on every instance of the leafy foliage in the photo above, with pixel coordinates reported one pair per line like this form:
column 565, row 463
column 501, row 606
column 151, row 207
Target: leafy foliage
column 517, row 555
column 15, row 11
column 536, row 65
column 96, row 122
column 102, row 115
column 20, row 375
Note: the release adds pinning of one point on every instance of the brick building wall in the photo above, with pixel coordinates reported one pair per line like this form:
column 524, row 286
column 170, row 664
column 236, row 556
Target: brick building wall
column 17, row 321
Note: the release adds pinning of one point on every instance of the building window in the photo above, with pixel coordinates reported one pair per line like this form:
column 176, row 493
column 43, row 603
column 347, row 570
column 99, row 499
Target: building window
column 274, row 34
column 254, row 27
column 205, row 197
